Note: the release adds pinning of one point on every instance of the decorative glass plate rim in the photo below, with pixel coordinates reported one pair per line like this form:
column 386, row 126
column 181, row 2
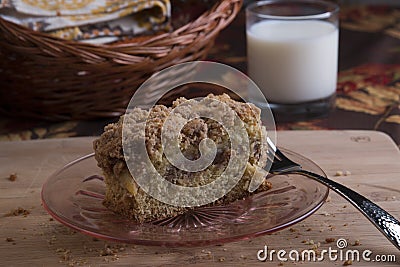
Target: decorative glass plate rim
column 73, row 224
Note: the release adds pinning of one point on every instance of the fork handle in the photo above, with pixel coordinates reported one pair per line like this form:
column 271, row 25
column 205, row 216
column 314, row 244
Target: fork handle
column 386, row 223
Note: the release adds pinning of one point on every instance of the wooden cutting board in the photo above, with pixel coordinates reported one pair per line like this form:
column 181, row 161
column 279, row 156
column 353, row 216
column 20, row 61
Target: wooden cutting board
column 371, row 158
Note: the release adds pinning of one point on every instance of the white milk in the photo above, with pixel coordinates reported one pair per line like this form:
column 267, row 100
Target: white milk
column 293, row 61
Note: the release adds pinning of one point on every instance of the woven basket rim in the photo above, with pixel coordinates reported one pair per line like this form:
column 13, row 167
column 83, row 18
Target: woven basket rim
column 203, row 19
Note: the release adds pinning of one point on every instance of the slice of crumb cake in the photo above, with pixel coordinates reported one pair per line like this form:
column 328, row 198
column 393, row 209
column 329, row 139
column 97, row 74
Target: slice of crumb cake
column 125, row 197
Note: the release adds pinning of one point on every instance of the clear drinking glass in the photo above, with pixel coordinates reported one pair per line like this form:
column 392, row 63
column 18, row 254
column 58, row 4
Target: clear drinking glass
column 292, row 53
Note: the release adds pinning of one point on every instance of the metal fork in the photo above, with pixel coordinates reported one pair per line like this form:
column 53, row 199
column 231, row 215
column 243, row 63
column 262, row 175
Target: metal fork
column 388, row 225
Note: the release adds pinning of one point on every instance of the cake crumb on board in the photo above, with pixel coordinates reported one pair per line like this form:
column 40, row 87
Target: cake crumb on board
column 12, row 177
column 342, row 173
column 18, row 212
column 347, row 263
column 329, row 240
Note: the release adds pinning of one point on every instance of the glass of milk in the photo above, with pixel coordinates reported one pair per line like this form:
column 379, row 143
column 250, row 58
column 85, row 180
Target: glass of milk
column 292, row 55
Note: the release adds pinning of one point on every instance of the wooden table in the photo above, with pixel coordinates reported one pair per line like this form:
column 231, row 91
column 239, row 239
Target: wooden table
column 372, row 159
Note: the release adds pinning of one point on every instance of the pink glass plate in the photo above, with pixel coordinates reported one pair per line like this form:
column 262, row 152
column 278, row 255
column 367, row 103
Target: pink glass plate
column 74, row 194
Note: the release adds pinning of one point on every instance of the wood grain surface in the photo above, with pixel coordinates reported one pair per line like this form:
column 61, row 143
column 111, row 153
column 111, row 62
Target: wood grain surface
column 370, row 158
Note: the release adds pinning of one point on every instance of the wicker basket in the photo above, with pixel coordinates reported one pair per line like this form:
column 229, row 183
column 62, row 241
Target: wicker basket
column 48, row 78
